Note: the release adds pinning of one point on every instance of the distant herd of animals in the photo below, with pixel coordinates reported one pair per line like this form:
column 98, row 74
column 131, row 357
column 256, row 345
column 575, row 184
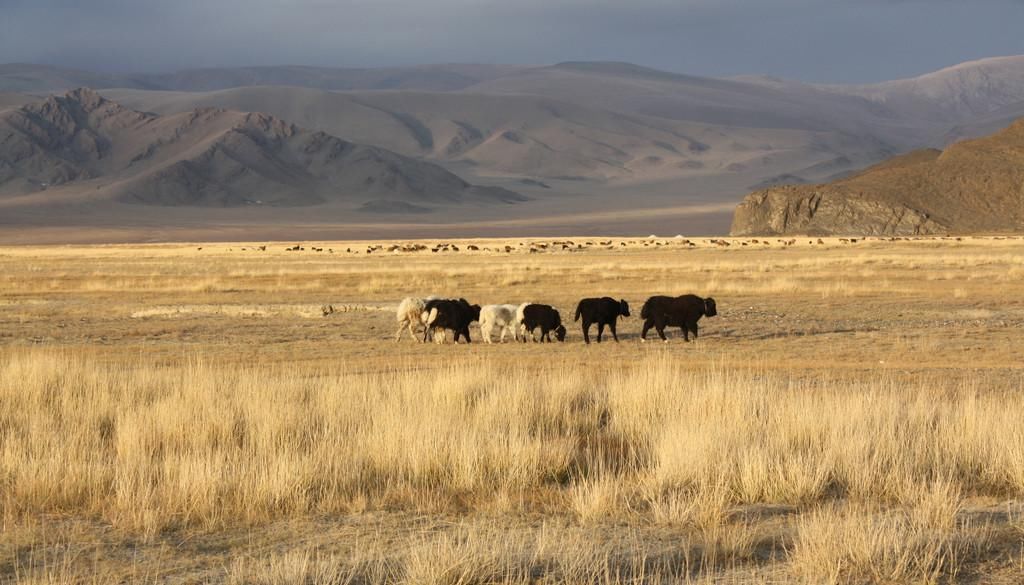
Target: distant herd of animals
column 436, row 316
column 535, row 247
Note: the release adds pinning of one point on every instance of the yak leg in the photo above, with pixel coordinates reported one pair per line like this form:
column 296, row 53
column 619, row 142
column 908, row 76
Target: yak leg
column 431, row 333
column 412, row 330
column 439, row 337
column 427, row 319
column 647, row 327
column 688, row 328
column 600, row 330
column 401, row 328
column 486, row 330
column 660, row 324
column 586, row 331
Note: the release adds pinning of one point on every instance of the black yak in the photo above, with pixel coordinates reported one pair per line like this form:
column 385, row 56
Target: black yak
column 683, row 312
column 545, row 317
column 450, row 314
column 603, row 311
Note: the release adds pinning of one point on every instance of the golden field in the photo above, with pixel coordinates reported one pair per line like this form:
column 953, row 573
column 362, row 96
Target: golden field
column 187, row 414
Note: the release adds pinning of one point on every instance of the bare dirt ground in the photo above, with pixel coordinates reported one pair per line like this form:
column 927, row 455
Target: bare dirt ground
column 928, row 326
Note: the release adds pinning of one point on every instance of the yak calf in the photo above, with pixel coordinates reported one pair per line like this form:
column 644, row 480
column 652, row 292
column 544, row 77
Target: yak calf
column 545, row 317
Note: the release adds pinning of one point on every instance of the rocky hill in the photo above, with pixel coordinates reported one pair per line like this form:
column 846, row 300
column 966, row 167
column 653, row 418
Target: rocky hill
column 972, row 186
column 82, row 145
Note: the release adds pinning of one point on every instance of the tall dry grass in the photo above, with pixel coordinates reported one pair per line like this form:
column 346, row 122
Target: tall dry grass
column 150, row 447
column 479, row 553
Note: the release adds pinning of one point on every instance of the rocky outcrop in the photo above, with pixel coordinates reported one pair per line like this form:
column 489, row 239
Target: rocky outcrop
column 792, row 210
column 973, row 186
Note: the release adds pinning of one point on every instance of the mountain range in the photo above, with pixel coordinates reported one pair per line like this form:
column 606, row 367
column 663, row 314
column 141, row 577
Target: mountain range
column 82, row 146
column 572, row 143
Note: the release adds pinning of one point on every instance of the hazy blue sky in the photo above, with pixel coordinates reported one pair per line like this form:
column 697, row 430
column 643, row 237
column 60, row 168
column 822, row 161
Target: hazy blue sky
column 814, row 40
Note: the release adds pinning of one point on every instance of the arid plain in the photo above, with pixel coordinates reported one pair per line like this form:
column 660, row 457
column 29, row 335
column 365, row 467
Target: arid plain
column 187, row 414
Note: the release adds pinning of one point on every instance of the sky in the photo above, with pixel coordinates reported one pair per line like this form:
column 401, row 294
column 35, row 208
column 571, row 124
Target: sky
column 836, row 41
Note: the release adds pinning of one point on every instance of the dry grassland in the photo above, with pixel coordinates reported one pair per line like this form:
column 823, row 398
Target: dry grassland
column 170, row 414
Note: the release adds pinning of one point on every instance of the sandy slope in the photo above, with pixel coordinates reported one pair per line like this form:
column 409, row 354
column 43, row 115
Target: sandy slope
column 630, row 88
column 523, row 135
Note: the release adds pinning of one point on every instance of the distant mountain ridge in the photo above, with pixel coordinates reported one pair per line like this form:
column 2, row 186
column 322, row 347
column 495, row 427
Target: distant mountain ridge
column 23, row 77
column 974, row 88
column 944, row 99
column 83, row 145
